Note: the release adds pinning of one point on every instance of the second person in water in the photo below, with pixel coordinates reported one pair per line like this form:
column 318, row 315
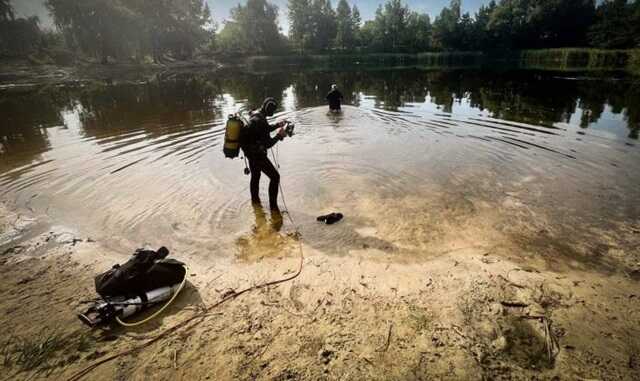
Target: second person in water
column 335, row 98
column 255, row 142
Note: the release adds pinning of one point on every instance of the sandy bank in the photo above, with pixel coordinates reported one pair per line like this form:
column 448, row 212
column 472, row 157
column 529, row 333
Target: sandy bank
column 471, row 313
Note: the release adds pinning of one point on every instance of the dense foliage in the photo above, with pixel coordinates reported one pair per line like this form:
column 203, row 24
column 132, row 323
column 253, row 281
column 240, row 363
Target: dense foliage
column 140, row 30
column 22, row 36
column 502, row 25
column 252, row 29
column 133, row 28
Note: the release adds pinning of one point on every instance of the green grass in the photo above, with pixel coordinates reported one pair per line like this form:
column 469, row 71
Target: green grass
column 634, row 61
column 45, row 353
column 444, row 59
column 30, row 354
column 576, row 59
column 569, row 59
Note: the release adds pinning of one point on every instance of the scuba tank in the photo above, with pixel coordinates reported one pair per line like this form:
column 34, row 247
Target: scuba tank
column 105, row 311
column 232, row 136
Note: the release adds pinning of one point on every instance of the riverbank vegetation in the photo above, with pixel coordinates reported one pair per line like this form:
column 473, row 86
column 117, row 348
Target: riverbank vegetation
column 151, row 31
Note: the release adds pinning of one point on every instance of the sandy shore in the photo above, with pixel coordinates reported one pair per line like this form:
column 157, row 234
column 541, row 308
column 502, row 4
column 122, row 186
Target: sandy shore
column 474, row 312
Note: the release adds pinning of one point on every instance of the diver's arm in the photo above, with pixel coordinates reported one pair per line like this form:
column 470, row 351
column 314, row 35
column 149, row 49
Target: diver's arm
column 273, row 140
column 266, row 137
column 274, row 127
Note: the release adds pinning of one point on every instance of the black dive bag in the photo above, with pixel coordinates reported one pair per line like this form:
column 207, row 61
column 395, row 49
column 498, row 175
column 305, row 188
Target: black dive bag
column 145, row 271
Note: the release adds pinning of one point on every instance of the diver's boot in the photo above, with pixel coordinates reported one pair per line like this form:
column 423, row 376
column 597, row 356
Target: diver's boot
column 331, row 218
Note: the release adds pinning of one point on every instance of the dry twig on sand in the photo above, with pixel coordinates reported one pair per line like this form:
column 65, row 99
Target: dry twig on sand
column 551, row 342
column 386, row 346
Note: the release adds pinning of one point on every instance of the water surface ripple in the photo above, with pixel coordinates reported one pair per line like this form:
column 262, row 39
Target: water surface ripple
column 138, row 162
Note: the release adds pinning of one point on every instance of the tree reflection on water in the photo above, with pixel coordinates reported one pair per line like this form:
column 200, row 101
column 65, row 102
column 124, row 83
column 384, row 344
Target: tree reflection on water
column 191, row 100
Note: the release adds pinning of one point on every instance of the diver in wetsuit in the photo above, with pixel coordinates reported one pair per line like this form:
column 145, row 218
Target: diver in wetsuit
column 255, row 142
column 334, row 97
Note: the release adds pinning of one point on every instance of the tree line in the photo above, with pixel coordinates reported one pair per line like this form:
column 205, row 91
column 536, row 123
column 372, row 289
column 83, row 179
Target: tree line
column 116, row 29
column 316, row 27
column 164, row 29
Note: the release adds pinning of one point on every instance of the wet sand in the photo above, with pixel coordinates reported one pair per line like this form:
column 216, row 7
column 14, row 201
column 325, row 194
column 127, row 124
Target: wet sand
column 474, row 311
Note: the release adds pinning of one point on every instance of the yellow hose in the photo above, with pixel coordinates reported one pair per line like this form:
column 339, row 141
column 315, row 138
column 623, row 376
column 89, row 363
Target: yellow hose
column 184, row 280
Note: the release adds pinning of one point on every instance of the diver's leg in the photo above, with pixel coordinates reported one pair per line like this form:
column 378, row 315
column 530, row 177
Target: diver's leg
column 274, row 183
column 254, row 185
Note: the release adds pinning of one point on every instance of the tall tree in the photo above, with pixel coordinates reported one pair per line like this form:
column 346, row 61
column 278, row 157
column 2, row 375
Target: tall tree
column 615, row 26
column 252, row 29
column 419, row 32
column 345, row 35
column 481, row 26
column 186, row 29
column 323, row 25
column 356, row 20
column 369, row 37
column 636, row 22
column 395, row 26
column 101, row 28
column 299, row 24
column 6, row 10
column 446, row 33
column 508, row 24
column 466, row 34
column 127, row 28
column 559, row 23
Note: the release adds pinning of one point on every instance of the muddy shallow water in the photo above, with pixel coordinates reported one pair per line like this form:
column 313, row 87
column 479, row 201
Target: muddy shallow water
column 420, row 162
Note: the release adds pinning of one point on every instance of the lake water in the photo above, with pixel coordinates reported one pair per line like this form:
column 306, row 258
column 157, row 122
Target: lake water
column 420, row 162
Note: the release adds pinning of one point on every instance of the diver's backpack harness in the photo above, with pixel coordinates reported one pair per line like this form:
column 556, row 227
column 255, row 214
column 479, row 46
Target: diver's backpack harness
column 146, row 279
column 234, row 130
column 232, row 135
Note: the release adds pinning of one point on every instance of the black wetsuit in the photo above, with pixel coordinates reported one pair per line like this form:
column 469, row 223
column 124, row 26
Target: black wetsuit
column 255, row 141
column 334, row 97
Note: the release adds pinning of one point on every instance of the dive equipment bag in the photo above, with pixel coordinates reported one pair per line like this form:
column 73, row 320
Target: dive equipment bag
column 144, row 271
column 146, row 279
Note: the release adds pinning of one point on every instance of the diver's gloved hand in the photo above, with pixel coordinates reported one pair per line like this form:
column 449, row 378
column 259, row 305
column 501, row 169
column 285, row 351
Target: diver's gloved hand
column 282, row 132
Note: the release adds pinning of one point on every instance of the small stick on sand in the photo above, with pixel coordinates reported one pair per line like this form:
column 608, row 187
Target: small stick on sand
column 551, row 343
column 386, row 346
column 513, row 304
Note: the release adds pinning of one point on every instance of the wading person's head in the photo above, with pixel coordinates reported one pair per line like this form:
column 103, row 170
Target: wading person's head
column 269, row 106
column 334, row 87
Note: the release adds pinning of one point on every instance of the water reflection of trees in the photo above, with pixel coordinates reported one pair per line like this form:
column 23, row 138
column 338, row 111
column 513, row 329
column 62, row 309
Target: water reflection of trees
column 311, row 88
column 539, row 98
column 187, row 101
column 25, row 116
column 254, row 88
column 154, row 107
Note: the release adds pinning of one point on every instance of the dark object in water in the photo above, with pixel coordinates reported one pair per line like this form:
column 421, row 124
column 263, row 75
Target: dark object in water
column 145, row 280
column 331, row 218
column 334, row 97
